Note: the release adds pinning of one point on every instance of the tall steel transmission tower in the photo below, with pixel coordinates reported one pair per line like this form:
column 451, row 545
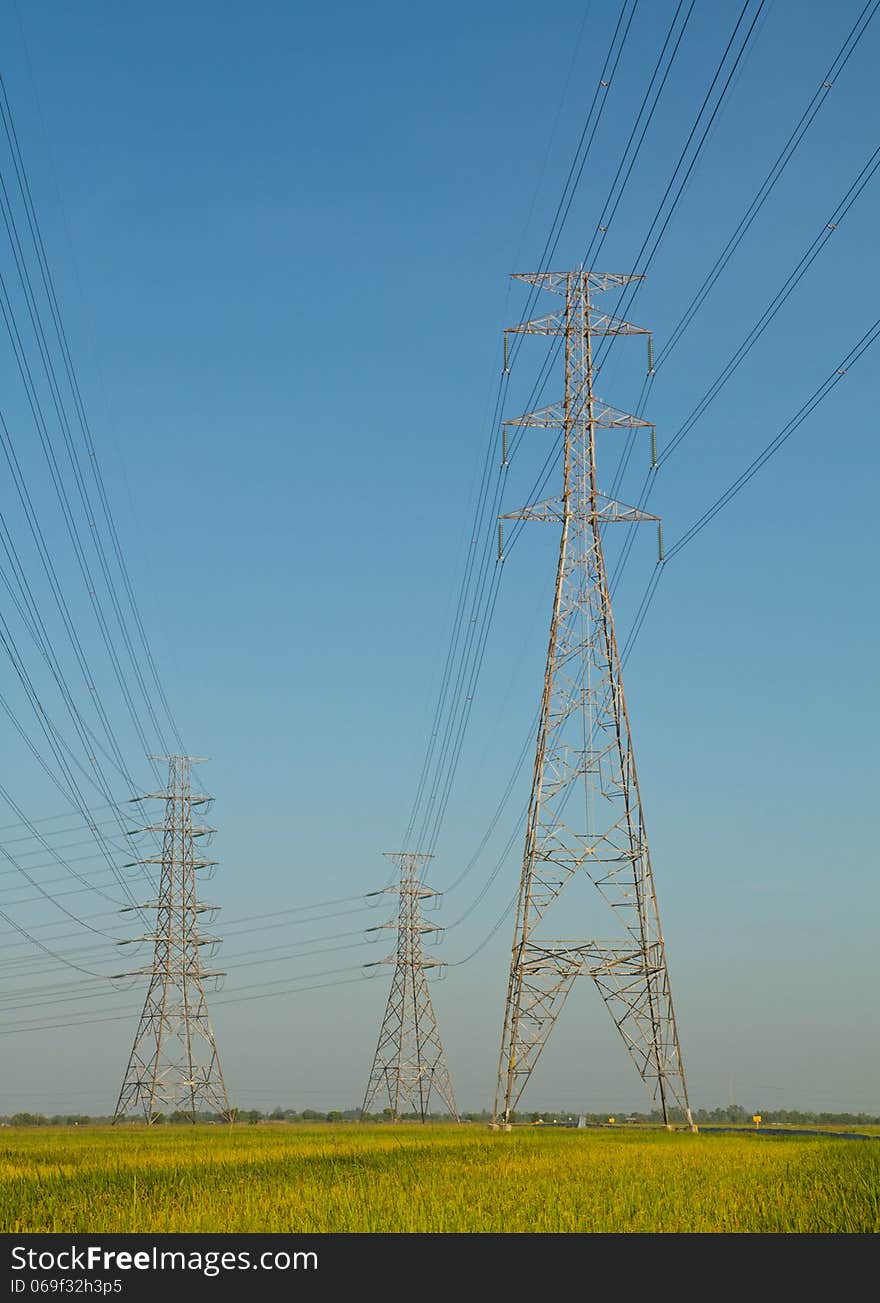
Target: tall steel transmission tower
column 174, row 1064
column 585, row 814
column 409, row 1063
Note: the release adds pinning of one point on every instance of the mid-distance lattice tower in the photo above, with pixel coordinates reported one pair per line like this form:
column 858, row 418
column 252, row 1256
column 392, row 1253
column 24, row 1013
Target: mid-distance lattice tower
column 409, row 1063
column 585, row 811
column 174, row 1065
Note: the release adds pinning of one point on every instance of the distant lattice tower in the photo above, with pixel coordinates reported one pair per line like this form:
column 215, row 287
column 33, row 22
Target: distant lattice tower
column 409, row 1064
column 585, row 814
column 174, row 1064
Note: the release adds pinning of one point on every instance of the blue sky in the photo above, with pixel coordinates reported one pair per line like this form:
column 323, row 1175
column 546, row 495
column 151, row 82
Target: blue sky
column 281, row 238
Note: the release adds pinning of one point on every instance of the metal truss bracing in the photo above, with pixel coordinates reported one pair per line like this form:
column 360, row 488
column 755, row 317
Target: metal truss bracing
column 174, row 1065
column 409, row 1063
column 559, row 282
column 607, row 510
column 556, row 415
column 585, row 814
column 554, row 324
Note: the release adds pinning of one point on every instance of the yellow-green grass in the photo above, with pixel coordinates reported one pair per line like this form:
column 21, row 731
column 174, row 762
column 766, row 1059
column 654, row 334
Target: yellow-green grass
column 439, row 1179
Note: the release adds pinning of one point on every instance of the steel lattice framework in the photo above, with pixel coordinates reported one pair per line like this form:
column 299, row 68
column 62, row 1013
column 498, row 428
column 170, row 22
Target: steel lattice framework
column 174, row 1064
column 585, row 811
column 409, row 1063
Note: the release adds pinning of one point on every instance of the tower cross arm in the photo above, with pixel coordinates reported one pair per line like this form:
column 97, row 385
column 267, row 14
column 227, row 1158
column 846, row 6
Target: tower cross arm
column 608, row 511
column 601, row 323
column 582, row 409
column 560, row 282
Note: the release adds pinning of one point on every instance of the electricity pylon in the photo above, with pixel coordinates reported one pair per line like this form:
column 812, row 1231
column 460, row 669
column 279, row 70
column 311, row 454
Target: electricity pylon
column 409, row 1062
column 585, row 811
column 174, row 1064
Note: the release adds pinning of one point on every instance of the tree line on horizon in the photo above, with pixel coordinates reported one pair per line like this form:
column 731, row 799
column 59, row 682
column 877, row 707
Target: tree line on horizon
column 728, row 1114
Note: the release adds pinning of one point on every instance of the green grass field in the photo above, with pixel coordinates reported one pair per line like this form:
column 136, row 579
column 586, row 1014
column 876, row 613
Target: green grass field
column 439, row 1179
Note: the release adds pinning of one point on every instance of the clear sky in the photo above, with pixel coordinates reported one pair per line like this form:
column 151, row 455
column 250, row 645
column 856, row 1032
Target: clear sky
column 281, row 237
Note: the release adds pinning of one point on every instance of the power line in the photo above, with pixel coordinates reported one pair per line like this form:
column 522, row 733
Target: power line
column 795, row 276
column 45, row 949
column 88, row 439
column 7, row 1029
column 455, row 653
column 606, row 217
column 640, row 267
column 830, row 382
column 475, row 645
column 773, row 176
column 745, row 222
column 431, row 841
